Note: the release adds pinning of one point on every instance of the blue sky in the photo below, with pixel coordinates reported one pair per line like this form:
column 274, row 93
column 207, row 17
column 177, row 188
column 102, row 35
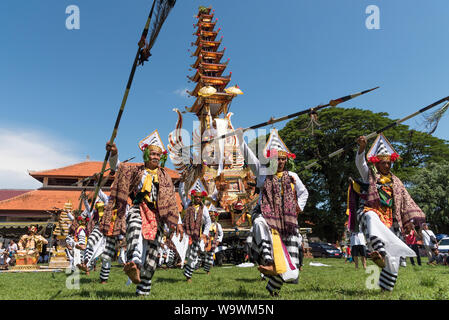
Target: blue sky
column 61, row 89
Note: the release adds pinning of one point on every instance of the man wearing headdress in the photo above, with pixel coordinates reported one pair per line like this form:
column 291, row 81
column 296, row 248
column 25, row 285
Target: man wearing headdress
column 153, row 204
column 77, row 237
column 275, row 225
column 384, row 209
column 196, row 216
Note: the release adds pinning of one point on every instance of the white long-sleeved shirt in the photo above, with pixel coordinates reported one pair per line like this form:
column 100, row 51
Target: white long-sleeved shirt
column 362, row 166
column 262, row 172
column 101, row 197
column 114, row 163
column 426, row 237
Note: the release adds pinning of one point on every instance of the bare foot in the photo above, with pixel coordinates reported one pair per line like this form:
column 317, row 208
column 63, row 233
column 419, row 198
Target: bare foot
column 189, row 280
column 82, row 266
column 378, row 259
column 132, row 272
column 268, row 270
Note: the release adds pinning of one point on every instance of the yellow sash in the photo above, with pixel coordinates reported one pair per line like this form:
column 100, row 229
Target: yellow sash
column 100, row 207
column 197, row 206
column 111, row 225
column 385, row 179
column 278, row 253
column 213, row 228
column 148, row 184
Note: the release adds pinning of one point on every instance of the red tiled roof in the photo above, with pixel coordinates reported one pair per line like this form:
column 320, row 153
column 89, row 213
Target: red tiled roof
column 43, row 200
column 85, row 169
column 10, row 193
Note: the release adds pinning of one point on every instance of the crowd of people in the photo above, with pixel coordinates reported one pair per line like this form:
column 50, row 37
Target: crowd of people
column 150, row 232
column 31, row 245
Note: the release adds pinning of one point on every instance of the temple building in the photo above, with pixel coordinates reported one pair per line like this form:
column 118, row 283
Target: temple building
column 59, row 186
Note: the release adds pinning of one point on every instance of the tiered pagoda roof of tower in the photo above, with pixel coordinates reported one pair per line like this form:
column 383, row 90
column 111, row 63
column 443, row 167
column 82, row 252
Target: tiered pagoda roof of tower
column 208, row 57
column 204, row 34
column 209, row 70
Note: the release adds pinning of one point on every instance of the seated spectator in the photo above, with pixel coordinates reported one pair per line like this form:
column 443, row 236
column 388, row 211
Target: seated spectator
column 441, row 258
column 12, row 247
column 2, row 256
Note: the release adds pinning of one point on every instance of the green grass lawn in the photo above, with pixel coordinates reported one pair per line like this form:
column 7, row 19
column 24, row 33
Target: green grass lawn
column 339, row 281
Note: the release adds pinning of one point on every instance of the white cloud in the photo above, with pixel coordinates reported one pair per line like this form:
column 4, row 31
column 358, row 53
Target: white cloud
column 181, row 92
column 23, row 150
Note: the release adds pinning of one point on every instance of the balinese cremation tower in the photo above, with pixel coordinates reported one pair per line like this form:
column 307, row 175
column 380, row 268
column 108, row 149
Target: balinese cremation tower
column 219, row 163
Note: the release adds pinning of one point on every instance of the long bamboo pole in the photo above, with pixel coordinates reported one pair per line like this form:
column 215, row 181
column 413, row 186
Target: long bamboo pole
column 375, row 133
column 125, row 97
column 332, row 103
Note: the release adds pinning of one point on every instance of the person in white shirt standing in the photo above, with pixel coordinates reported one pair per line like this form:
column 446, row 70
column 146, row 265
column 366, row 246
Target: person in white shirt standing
column 429, row 242
column 358, row 248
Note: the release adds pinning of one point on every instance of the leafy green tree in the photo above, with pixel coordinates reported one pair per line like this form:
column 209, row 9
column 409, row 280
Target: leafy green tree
column 430, row 190
column 328, row 182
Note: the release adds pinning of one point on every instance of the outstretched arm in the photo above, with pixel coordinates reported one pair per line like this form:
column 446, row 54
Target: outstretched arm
column 86, row 205
column 360, row 161
column 248, row 154
column 207, row 221
column 103, row 196
column 301, row 191
column 219, row 232
column 44, row 241
column 113, row 158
